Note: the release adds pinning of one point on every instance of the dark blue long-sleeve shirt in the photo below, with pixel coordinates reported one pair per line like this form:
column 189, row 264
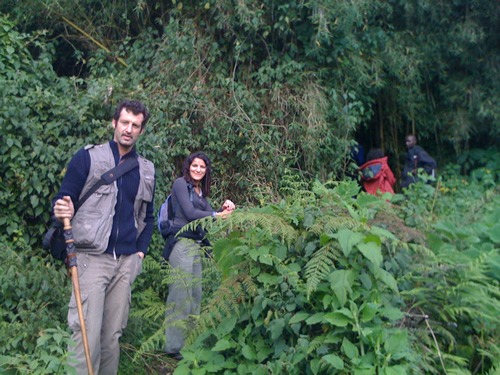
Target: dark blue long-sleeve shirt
column 123, row 238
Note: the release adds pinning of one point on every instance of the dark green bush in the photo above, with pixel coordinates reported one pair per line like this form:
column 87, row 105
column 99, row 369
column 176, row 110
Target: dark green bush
column 320, row 283
column 34, row 293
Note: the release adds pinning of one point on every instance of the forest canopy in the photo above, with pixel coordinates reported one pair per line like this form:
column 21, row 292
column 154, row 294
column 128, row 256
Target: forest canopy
column 289, row 82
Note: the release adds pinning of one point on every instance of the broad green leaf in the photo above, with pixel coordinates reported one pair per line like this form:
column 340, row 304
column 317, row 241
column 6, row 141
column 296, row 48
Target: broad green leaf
column 248, row 352
column 226, row 256
column 223, row 344
column 372, row 237
column 365, row 371
column 259, row 252
column 350, row 350
column 387, row 279
column 188, row 354
column 254, row 254
column 392, row 313
column 338, row 319
column 346, row 312
column 182, row 369
column 276, row 328
column 341, row 282
column 346, row 191
column 299, row 317
column 368, row 311
column 324, row 238
column 394, row 370
column 269, row 279
column 279, row 252
column 266, row 259
column 367, row 200
column 308, row 220
column 381, row 232
column 348, row 239
column 316, row 318
column 259, row 370
column 309, row 249
column 334, row 360
column 366, row 280
column 396, row 344
column 494, row 233
column 315, row 366
column 226, row 326
column 263, row 351
column 372, row 252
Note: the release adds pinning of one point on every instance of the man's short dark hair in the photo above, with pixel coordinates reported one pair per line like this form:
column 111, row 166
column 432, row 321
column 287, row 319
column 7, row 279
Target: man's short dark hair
column 134, row 106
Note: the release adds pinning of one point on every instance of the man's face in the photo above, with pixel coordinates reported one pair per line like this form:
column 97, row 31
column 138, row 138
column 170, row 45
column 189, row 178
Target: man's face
column 128, row 128
column 410, row 142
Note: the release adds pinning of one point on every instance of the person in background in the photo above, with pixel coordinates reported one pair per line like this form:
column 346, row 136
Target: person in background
column 183, row 252
column 112, row 232
column 416, row 158
column 376, row 175
column 358, row 154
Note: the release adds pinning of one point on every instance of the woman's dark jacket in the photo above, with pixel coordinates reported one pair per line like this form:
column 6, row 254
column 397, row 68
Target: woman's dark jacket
column 187, row 206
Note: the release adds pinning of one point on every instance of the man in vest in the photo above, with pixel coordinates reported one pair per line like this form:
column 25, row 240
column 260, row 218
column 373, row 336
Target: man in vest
column 112, row 232
column 416, row 158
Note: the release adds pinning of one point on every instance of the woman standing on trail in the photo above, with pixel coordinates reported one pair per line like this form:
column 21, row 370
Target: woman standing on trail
column 189, row 201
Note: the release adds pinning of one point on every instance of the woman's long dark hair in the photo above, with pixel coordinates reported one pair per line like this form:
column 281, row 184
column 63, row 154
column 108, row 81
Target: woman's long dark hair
column 207, row 179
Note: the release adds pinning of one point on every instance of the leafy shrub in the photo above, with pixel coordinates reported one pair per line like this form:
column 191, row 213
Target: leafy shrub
column 44, row 120
column 306, row 290
column 318, row 284
column 481, row 160
column 34, row 293
column 457, row 286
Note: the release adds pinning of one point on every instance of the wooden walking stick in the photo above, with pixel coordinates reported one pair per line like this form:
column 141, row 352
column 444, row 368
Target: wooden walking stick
column 72, row 264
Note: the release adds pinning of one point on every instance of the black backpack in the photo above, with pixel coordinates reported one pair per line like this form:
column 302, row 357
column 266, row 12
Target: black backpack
column 166, row 216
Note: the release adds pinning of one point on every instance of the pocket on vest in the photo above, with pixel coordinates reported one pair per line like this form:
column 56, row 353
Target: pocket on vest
column 92, row 224
column 146, row 194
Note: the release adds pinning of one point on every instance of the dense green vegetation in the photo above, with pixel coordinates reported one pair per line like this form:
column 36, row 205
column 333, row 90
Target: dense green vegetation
column 276, row 92
column 327, row 283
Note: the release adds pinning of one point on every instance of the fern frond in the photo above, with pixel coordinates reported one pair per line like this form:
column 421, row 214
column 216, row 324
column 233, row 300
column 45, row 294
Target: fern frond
column 151, row 265
column 225, row 302
column 316, row 343
column 244, row 220
column 292, row 277
column 422, row 250
column 152, row 343
column 460, row 361
column 153, row 309
column 319, row 267
column 176, row 275
column 332, row 224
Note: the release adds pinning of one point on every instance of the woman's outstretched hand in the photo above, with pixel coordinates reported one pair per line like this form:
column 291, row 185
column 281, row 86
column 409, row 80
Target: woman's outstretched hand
column 228, row 206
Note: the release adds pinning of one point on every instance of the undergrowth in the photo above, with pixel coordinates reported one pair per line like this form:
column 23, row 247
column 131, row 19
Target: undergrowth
column 328, row 280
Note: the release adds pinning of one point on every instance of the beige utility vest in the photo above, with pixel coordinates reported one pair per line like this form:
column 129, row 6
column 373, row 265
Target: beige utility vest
column 93, row 222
